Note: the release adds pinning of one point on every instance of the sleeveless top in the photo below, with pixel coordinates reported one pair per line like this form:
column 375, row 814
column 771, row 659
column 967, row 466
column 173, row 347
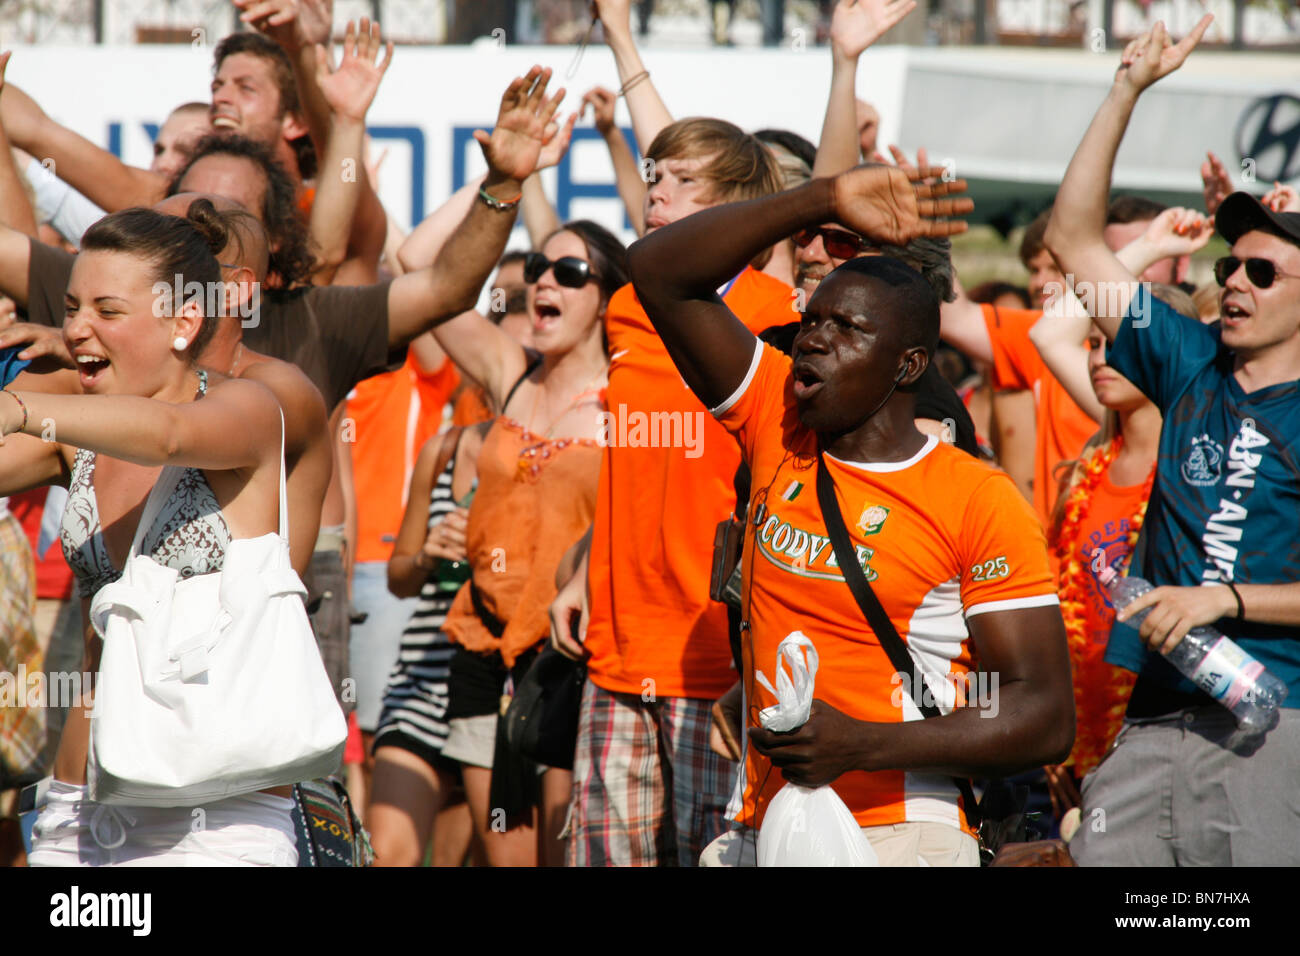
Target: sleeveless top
column 189, row 534
column 535, row 499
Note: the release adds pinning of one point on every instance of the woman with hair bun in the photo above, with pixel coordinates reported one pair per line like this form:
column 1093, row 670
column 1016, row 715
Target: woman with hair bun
column 147, row 405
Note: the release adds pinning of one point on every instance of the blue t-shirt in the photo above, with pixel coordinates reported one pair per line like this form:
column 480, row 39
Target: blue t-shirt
column 1226, row 499
column 11, row 364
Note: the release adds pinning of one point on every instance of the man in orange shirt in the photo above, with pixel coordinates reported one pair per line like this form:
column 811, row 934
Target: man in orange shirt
column 954, row 550
column 647, row 788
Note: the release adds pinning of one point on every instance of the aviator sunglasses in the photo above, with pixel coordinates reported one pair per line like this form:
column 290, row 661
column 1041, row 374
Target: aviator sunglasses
column 838, row 243
column 1260, row 272
column 570, row 271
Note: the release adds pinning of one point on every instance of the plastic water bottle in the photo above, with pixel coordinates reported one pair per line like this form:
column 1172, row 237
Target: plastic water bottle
column 1213, row 662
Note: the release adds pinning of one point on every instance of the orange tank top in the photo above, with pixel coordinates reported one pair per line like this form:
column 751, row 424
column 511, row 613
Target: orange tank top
column 536, row 497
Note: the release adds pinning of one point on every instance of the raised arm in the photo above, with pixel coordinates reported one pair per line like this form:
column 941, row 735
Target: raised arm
column 855, row 25
column 678, row 268
column 298, row 26
column 15, row 210
column 226, row 430
column 422, row 299
column 649, row 114
column 349, row 90
column 1074, row 233
column 1058, row 337
column 94, row 172
column 627, row 174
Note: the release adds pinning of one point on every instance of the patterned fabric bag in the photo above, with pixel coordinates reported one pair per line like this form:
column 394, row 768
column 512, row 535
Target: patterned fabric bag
column 329, row 832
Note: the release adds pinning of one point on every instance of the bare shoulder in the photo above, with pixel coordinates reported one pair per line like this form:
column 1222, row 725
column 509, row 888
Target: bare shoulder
column 288, row 383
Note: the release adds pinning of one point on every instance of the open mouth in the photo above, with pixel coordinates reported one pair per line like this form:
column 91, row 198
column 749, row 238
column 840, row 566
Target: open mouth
column 1233, row 315
column 91, row 368
column 225, row 122
column 806, row 382
column 545, row 316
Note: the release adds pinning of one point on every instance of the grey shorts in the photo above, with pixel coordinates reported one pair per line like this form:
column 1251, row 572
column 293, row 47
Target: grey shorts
column 331, row 619
column 1180, row 790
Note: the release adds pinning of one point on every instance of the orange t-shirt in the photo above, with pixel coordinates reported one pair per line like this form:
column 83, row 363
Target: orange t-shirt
column 1062, row 427
column 393, row 414
column 666, row 479
column 941, row 536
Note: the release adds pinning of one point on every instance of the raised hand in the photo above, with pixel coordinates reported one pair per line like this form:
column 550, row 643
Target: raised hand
column 891, row 206
column 1154, row 55
column 856, row 24
column 350, row 89
column 1282, row 198
column 524, row 125
column 1178, row 232
column 291, row 23
column 1216, row 183
column 602, row 102
column 615, row 16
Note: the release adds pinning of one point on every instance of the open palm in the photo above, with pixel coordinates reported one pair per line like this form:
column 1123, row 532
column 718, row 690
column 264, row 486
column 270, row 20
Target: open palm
column 350, row 89
column 856, row 24
column 524, row 125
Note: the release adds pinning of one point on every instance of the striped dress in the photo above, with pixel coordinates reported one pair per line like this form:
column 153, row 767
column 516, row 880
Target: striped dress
column 414, row 713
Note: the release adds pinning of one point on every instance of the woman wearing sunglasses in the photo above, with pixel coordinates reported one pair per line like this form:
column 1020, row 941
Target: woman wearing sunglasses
column 536, row 496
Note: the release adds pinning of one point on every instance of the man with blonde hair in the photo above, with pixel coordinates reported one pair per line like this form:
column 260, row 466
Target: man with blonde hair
column 647, row 788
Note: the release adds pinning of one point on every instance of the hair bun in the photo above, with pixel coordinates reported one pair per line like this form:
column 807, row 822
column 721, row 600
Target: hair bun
column 210, row 224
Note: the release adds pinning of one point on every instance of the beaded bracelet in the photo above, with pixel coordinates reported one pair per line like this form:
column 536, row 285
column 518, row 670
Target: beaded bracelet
column 643, row 75
column 14, row 396
column 500, row 205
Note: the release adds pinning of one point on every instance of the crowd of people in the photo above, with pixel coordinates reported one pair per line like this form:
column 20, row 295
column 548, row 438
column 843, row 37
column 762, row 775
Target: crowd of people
column 551, row 550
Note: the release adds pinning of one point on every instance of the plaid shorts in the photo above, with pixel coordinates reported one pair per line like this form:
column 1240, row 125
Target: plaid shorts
column 22, row 728
column 647, row 790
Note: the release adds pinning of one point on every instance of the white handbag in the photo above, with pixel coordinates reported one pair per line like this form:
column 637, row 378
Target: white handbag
column 209, row 686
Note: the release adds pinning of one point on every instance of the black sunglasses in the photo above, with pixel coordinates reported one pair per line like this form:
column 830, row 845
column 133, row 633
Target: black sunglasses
column 570, row 271
column 838, row 243
column 1260, row 272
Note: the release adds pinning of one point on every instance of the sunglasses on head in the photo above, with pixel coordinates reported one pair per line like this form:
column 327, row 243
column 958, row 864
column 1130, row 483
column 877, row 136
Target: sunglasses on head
column 569, row 271
column 838, row 243
column 1260, row 272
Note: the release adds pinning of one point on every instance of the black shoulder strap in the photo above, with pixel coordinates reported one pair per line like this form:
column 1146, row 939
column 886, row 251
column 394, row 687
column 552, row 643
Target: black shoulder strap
column 847, row 558
column 534, row 360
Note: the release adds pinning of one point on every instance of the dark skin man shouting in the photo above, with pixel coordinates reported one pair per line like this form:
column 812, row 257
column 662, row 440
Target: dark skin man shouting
column 951, row 550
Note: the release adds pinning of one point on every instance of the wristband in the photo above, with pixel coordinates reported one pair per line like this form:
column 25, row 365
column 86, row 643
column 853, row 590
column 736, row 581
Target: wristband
column 1241, row 608
column 21, row 404
column 500, row 205
column 643, row 75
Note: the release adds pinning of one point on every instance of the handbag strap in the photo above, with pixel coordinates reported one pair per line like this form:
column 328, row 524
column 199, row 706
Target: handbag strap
column 284, row 489
column 847, row 558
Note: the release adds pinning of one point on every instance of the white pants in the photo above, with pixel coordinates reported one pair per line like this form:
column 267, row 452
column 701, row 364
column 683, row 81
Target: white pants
column 251, row 830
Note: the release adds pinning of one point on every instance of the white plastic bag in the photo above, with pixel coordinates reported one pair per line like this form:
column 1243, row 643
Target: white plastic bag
column 802, row 826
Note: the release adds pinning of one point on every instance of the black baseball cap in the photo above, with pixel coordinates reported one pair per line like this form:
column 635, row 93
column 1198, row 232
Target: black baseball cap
column 1241, row 213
